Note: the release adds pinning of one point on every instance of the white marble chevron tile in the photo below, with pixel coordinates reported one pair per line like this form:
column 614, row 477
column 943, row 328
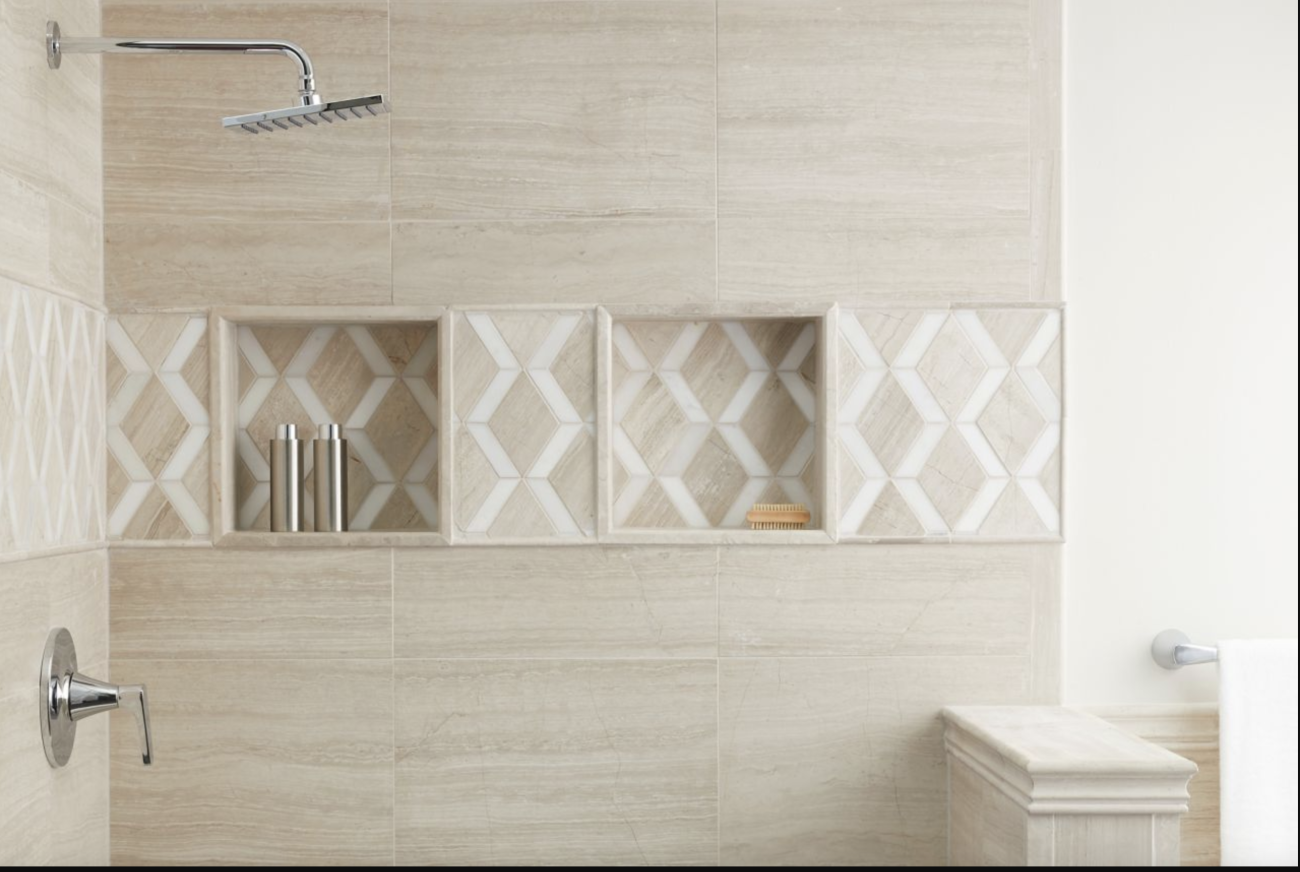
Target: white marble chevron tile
column 380, row 381
column 524, row 416
column 158, row 427
column 950, row 423
column 51, row 421
column 711, row 417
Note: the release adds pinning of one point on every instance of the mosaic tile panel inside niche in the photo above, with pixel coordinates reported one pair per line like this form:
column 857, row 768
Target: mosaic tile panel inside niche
column 380, row 381
column 711, row 417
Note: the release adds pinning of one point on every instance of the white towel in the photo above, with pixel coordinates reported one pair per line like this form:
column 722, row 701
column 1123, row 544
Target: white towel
column 1257, row 750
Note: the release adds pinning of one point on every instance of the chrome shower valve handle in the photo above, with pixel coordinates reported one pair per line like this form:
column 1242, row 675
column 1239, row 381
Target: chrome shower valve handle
column 67, row 696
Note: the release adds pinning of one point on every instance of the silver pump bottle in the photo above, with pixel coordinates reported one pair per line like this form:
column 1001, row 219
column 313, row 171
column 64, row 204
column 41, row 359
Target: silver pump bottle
column 286, row 480
column 331, row 471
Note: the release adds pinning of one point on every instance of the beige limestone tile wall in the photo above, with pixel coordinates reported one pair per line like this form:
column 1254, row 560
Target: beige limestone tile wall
column 685, row 704
column 697, row 704
column 51, row 816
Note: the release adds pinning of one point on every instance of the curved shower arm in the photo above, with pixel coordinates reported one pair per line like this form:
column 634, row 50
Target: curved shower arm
column 58, row 45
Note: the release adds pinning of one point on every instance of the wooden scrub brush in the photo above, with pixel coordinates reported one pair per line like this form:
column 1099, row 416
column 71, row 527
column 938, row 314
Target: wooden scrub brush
column 778, row 516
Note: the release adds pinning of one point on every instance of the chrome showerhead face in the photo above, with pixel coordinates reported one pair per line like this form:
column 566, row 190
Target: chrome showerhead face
column 308, row 116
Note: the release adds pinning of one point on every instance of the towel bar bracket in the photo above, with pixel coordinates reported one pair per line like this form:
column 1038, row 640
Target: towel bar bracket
column 1173, row 649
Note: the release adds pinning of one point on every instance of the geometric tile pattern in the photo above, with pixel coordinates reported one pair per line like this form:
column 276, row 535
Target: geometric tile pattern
column 380, row 381
column 158, row 427
column 525, row 416
column 950, row 423
column 51, row 421
column 711, row 417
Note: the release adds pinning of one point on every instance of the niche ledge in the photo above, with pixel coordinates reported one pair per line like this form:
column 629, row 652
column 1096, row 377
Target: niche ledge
column 377, row 371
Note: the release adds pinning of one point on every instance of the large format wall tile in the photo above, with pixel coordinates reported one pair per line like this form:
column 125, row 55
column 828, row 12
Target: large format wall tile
column 249, row 263
column 711, row 417
column 49, row 816
column 950, row 423
column 873, row 151
column 526, row 109
column 548, row 602
column 564, row 261
column 219, row 605
column 524, row 413
column 51, row 421
column 257, row 765
column 830, row 761
column 379, row 381
column 628, row 751
column 891, row 599
column 159, row 482
column 166, row 155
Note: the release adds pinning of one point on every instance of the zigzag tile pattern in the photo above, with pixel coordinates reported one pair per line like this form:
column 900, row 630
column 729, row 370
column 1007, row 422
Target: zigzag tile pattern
column 51, row 421
column 950, row 423
column 711, row 417
column 379, row 381
column 524, row 412
column 158, row 427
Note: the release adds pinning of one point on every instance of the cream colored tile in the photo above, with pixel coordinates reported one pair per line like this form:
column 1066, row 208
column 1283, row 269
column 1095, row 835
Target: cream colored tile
column 629, row 751
column 905, row 180
column 73, row 116
column 890, row 424
column 582, row 261
column 208, row 264
column 257, row 767
column 952, row 477
column 50, row 816
column 841, row 761
column 951, row 368
column 1012, row 422
column 523, row 419
column 525, row 109
column 546, row 602
column 959, row 600
column 1013, row 515
column 227, row 605
column 24, row 231
column 986, row 827
column 166, row 155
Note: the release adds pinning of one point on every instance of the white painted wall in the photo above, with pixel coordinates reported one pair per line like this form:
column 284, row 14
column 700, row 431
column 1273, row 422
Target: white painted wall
column 1180, row 270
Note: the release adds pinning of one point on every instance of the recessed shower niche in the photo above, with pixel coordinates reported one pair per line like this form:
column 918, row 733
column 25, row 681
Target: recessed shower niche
column 376, row 373
column 709, row 416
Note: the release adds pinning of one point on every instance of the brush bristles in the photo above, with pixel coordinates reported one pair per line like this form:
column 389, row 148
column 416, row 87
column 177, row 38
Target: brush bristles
column 778, row 516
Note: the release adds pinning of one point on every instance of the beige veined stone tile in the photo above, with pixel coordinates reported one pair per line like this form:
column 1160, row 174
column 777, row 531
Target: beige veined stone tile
column 226, row 605
column 629, row 748
column 829, row 601
column 1012, row 329
column 480, row 263
column 254, row 770
column 715, row 478
column 840, row 761
column 891, row 517
column 554, row 110
column 774, row 423
column 548, row 602
column 952, row 477
column 1012, row 422
column 714, row 371
column 521, row 517
column 246, row 263
column 1013, row 515
column 654, row 423
column 951, row 368
column 891, row 423
column 868, row 191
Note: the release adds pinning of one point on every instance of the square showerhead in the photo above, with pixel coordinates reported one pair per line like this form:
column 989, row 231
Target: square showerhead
column 308, row 116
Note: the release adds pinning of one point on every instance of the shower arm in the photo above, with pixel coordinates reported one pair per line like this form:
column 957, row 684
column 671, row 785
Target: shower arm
column 58, row 45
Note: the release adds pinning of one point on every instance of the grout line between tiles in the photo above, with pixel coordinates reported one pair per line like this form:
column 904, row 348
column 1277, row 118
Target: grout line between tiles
column 392, row 662
column 717, row 204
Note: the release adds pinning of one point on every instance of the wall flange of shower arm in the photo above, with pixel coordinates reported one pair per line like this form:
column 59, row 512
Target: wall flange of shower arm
column 310, row 110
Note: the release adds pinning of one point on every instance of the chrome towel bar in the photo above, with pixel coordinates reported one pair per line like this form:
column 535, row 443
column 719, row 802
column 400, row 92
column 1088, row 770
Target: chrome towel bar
column 1172, row 649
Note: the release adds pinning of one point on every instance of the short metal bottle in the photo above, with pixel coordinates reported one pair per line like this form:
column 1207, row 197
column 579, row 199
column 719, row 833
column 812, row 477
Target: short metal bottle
column 331, row 471
column 286, row 480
